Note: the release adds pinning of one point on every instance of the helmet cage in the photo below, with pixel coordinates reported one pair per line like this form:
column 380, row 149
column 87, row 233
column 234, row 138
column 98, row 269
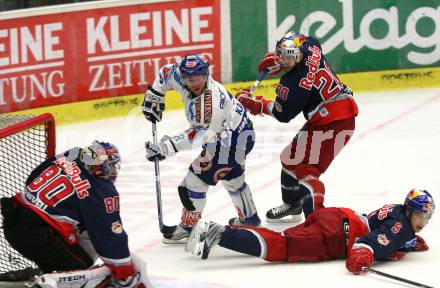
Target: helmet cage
column 289, row 46
column 102, row 160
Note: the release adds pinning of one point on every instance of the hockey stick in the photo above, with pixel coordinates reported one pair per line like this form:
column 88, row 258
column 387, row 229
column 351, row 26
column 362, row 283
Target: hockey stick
column 365, row 269
column 163, row 228
column 260, row 78
column 157, row 177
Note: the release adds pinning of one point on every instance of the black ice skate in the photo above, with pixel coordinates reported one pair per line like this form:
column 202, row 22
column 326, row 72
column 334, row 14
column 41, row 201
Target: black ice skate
column 176, row 234
column 203, row 237
column 280, row 213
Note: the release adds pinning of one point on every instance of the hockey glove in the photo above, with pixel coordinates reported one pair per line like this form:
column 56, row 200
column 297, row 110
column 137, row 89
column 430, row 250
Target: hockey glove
column 269, row 62
column 256, row 106
column 153, row 105
column 165, row 148
column 420, row 244
column 359, row 258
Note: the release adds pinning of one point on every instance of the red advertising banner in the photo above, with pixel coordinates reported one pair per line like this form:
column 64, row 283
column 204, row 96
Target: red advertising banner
column 83, row 55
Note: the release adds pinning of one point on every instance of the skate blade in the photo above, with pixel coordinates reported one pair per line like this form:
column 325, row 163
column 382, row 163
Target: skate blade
column 171, row 241
column 287, row 219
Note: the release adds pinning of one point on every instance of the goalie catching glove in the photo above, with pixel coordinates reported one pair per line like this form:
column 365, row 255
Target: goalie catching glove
column 165, row 148
column 256, row 105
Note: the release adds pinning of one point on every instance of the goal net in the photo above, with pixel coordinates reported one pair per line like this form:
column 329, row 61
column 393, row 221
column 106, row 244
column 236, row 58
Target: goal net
column 25, row 142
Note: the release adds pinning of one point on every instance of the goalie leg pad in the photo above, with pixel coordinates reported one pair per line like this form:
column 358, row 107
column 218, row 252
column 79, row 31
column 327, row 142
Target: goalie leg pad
column 97, row 276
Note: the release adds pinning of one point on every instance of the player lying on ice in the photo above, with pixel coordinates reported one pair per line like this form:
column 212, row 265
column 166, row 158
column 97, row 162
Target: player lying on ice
column 328, row 233
column 68, row 216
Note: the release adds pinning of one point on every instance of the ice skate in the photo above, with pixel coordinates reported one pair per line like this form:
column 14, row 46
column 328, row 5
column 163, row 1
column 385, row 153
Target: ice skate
column 203, row 237
column 285, row 213
column 176, row 234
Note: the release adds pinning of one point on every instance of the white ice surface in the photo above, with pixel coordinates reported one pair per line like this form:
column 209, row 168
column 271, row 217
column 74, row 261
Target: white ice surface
column 395, row 148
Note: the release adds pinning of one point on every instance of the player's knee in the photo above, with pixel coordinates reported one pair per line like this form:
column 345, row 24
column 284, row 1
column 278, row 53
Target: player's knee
column 192, row 192
column 235, row 184
column 194, row 183
column 274, row 245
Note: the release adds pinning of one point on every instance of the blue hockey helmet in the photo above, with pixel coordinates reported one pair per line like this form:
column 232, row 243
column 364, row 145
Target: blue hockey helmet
column 291, row 44
column 420, row 201
column 102, row 159
column 194, row 64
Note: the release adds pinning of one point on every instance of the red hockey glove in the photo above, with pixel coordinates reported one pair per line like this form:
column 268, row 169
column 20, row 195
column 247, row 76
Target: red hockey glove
column 420, row 244
column 256, row 106
column 269, row 62
column 359, row 258
column 396, row 256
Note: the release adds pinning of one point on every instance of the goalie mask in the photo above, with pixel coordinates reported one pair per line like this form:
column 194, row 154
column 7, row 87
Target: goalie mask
column 102, row 159
column 420, row 201
column 290, row 45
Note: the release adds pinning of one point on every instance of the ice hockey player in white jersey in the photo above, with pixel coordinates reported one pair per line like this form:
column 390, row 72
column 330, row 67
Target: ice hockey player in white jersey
column 220, row 125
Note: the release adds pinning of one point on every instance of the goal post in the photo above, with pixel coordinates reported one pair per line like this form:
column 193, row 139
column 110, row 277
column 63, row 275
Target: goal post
column 25, row 142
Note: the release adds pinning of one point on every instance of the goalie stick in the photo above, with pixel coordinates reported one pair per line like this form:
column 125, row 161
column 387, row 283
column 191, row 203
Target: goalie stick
column 365, row 269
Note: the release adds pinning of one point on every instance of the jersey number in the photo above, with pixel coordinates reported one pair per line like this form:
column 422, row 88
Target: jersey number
column 51, row 186
column 324, row 82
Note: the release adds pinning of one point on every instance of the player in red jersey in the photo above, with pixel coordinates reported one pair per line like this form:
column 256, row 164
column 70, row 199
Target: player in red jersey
column 387, row 233
column 309, row 86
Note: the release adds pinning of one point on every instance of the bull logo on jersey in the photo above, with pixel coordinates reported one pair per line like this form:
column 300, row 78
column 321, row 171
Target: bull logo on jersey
column 278, row 107
column 396, row 228
column 117, row 227
column 382, row 239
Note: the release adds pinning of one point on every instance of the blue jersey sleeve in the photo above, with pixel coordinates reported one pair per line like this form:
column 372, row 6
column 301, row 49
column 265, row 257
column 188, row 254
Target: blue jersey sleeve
column 390, row 231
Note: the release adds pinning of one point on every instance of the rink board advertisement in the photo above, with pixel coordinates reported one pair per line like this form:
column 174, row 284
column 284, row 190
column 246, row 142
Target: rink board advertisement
column 96, row 53
column 355, row 35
